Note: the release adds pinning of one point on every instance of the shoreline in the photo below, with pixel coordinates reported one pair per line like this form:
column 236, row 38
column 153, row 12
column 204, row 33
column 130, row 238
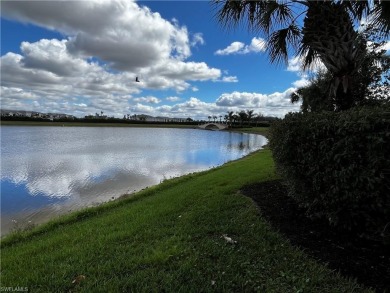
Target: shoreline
column 28, row 227
column 192, row 233
column 117, row 200
column 252, row 130
column 93, row 124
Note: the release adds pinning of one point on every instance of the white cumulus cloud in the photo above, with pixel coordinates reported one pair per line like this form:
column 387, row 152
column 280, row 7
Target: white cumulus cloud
column 197, row 39
column 295, row 64
column 233, row 48
column 256, row 45
column 302, row 82
column 105, row 45
column 149, row 100
column 229, row 79
column 120, row 32
column 275, row 104
column 173, row 99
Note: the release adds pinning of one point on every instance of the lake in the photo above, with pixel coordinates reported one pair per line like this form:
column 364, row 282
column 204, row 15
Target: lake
column 48, row 171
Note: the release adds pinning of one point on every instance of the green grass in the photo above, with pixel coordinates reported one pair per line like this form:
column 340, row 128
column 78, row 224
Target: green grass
column 169, row 238
column 256, row 130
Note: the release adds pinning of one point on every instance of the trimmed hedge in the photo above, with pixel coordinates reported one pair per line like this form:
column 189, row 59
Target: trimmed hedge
column 337, row 166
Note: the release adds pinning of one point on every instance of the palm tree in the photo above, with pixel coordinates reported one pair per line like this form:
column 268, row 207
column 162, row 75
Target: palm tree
column 230, row 117
column 220, row 118
column 209, row 118
column 242, row 116
column 235, row 118
column 375, row 73
column 226, row 119
column 327, row 34
column 250, row 116
column 258, row 117
column 314, row 96
column 215, row 117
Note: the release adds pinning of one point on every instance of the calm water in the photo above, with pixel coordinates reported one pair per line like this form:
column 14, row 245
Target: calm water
column 47, row 171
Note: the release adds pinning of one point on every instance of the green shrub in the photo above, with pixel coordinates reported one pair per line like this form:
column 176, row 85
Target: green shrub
column 337, row 166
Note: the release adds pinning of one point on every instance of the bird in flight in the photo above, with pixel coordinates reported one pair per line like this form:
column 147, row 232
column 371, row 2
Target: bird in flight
column 136, row 79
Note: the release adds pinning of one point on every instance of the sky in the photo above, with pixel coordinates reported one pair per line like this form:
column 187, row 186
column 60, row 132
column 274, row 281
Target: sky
column 82, row 58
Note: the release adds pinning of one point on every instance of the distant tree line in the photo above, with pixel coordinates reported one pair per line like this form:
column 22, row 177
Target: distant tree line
column 99, row 119
column 233, row 119
column 243, row 118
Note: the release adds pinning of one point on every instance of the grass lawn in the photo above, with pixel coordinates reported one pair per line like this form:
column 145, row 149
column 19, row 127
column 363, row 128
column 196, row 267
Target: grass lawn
column 169, row 238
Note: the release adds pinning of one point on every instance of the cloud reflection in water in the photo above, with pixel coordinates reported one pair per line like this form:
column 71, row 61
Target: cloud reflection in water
column 55, row 169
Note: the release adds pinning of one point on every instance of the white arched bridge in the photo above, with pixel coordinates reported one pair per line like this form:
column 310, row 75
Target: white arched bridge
column 213, row 126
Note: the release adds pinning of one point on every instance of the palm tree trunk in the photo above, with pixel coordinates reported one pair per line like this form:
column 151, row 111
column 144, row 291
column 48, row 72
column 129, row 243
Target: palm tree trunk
column 328, row 32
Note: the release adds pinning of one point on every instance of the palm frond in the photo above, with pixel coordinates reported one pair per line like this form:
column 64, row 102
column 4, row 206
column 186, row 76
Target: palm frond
column 294, row 36
column 377, row 12
column 358, row 8
column 263, row 15
column 307, row 55
column 280, row 41
column 230, row 14
column 381, row 16
column 273, row 15
column 277, row 46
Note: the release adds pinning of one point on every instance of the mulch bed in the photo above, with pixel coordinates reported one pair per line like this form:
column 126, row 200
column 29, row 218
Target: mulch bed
column 354, row 257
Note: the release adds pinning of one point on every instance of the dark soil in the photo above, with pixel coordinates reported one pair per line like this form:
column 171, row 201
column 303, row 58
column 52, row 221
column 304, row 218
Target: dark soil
column 354, row 257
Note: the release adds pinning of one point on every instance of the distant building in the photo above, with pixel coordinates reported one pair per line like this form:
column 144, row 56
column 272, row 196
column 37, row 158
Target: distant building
column 143, row 117
column 33, row 114
column 56, row 116
column 96, row 116
column 16, row 113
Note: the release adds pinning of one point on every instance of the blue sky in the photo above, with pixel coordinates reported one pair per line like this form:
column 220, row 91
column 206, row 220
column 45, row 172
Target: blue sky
column 82, row 57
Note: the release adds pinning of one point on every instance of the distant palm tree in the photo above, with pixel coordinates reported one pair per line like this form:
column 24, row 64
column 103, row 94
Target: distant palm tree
column 209, row 118
column 230, row 117
column 250, row 115
column 258, row 117
column 235, row 118
column 101, row 112
column 215, row 117
column 242, row 116
column 226, row 119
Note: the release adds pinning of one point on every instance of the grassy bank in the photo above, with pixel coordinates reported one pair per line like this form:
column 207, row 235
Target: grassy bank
column 255, row 130
column 169, row 238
